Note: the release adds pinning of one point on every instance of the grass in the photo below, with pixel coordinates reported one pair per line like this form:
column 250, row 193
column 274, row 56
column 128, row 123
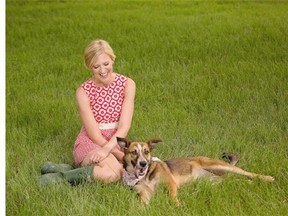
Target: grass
column 211, row 77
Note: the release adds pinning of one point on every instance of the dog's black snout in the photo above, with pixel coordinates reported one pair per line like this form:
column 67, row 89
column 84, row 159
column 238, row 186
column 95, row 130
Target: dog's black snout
column 143, row 163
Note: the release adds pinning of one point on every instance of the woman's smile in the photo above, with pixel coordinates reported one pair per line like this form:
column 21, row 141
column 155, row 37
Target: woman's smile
column 103, row 70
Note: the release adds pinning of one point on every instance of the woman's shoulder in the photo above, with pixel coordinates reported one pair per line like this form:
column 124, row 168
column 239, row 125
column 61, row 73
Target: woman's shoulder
column 130, row 86
column 86, row 85
column 80, row 94
column 130, row 82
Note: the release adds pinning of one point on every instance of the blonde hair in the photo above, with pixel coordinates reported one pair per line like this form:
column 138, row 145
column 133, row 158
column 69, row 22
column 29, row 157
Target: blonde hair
column 94, row 49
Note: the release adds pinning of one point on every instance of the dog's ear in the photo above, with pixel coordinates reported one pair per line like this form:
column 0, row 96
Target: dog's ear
column 123, row 143
column 152, row 143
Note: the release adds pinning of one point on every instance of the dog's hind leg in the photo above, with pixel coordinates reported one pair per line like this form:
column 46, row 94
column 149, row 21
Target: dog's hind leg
column 222, row 166
column 231, row 158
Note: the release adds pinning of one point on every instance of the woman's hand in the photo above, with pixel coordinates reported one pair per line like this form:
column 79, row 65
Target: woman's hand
column 99, row 155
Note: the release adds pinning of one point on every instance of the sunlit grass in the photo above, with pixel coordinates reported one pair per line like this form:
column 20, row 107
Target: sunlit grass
column 211, row 77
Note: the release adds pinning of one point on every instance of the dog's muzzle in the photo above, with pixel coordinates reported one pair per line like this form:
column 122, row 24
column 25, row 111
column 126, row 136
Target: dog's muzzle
column 131, row 178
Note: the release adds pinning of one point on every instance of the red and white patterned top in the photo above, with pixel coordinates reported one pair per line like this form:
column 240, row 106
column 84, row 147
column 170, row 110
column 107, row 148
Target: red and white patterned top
column 106, row 102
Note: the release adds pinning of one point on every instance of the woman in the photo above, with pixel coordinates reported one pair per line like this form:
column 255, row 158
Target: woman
column 106, row 104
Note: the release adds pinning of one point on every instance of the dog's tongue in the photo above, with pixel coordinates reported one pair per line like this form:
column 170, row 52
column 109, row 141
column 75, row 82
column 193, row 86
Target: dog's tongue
column 137, row 173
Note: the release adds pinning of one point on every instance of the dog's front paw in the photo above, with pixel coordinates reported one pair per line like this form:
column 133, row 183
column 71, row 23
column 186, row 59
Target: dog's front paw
column 177, row 202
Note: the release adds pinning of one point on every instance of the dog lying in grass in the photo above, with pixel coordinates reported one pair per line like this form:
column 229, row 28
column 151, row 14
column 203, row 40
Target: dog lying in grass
column 144, row 172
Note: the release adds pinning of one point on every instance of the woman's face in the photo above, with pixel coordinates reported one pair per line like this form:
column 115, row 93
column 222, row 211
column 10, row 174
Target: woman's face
column 103, row 69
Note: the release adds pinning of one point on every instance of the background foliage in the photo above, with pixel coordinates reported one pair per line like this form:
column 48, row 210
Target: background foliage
column 211, row 77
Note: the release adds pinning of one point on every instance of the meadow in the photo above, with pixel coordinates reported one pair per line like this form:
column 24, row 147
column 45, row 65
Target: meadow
column 211, row 77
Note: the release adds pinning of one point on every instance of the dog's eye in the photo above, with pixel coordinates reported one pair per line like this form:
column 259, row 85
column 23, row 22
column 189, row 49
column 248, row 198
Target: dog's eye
column 146, row 152
column 134, row 152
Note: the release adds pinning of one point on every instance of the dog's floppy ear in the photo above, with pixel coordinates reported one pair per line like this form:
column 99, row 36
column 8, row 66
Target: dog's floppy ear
column 123, row 143
column 152, row 143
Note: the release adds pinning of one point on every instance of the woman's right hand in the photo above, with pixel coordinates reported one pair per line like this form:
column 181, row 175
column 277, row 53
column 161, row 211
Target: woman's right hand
column 98, row 156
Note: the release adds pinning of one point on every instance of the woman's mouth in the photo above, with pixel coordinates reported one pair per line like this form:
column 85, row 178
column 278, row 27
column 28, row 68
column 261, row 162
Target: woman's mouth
column 103, row 75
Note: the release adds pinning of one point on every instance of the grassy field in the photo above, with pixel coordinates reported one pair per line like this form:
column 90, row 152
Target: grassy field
column 211, row 77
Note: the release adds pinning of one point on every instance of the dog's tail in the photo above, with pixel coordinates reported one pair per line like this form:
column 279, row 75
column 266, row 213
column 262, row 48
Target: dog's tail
column 231, row 158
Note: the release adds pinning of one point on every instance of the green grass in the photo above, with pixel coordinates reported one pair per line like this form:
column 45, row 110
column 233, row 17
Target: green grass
column 211, row 77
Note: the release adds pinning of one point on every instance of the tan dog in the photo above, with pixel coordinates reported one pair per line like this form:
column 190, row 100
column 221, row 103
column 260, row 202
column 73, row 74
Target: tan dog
column 144, row 172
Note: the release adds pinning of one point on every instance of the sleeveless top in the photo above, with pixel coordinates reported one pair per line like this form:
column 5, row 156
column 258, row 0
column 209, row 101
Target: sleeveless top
column 106, row 102
column 106, row 105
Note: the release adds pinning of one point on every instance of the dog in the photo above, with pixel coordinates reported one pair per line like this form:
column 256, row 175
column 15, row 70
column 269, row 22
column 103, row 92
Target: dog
column 144, row 172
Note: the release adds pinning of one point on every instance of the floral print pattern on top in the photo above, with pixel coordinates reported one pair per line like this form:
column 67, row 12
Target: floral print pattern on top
column 106, row 102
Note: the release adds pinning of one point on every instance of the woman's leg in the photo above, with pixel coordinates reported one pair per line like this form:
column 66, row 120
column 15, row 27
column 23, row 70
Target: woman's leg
column 109, row 170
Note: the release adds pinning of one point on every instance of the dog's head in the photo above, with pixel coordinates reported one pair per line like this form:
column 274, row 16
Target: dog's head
column 137, row 155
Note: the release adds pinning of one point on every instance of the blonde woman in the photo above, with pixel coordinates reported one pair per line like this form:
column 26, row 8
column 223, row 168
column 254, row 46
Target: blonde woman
column 105, row 104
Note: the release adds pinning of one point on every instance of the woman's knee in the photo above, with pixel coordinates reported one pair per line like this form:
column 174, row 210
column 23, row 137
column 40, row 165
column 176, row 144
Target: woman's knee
column 108, row 171
column 113, row 177
column 107, row 174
